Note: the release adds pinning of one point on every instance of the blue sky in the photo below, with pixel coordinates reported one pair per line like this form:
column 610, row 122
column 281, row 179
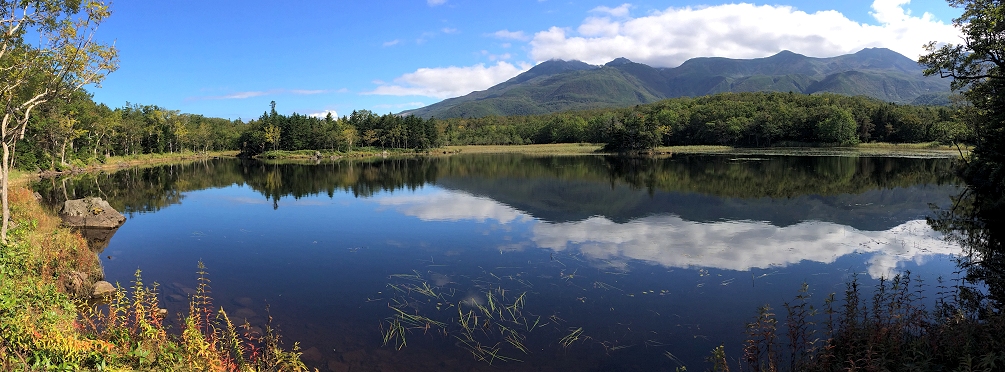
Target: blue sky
column 230, row 58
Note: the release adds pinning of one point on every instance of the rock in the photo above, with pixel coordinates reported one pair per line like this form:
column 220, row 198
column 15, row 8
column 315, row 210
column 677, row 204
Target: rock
column 91, row 213
column 244, row 301
column 312, row 355
column 102, row 289
column 38, row 197
column 162, row 312
column 97, row 238
column 244, row 313
column 76, row 283
column 336, row 366
column 176, row 298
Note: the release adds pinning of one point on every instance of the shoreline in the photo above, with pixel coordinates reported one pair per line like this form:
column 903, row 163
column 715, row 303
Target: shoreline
column 120, row 162
column 910, row 150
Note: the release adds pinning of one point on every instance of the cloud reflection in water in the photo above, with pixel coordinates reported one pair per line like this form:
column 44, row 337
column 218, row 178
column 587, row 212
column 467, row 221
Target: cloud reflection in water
column 671, row 241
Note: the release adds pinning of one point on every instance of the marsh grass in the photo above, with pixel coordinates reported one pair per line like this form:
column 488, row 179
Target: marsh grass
column 131, row 329
column 361, row 152
column 891, row 331
column 544, row 149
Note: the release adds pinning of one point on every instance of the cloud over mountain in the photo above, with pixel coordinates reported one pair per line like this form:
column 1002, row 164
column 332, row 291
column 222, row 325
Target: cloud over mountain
column 669, row 37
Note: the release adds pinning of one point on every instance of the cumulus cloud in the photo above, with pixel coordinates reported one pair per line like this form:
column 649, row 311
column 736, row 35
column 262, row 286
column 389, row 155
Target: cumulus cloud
column 674, row 242
column 323, row 114
column 669, row 37
column 453, row 206
column 742, row 245
column 445, row 82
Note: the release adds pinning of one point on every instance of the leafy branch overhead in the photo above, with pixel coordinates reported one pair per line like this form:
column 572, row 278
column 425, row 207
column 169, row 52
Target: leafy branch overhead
column 64, row 58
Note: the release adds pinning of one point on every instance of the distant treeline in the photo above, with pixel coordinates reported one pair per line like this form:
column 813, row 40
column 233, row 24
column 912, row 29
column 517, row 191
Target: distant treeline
column 273, row 131
column 79, row 131
column 734, row 119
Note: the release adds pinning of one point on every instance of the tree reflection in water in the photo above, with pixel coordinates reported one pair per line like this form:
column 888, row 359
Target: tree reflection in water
column 975, row 222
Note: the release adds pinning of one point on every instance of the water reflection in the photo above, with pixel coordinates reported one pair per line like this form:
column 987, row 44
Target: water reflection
column 672, row 241
column 640, row 254
column 976, row 221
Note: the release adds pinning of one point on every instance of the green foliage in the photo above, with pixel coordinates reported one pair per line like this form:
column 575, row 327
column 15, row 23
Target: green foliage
column 732, row 119
column 78, row 132
column 273, row 131
column 977, row 69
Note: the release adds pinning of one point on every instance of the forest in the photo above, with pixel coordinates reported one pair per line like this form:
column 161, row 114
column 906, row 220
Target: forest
column 78, row 131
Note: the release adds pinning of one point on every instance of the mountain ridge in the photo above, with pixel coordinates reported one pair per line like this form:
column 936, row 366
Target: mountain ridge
column 559, row 85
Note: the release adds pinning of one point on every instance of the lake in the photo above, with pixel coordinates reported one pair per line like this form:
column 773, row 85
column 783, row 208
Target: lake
column 511, row 262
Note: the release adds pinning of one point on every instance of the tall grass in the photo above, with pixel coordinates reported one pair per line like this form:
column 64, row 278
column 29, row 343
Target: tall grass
column 131, row 326
column 891, row 331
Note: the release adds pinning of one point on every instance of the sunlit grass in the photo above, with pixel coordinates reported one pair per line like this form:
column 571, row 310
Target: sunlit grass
column 544, row 149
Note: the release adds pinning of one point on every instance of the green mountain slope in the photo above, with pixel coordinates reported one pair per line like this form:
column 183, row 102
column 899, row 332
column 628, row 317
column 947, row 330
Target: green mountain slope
column 557, row 85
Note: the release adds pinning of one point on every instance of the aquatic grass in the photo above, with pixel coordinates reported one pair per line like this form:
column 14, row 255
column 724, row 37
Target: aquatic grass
column 489, row 323
column 572, row 337
column 891, row 330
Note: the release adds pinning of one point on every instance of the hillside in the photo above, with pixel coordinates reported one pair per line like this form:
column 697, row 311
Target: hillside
column 557, row 85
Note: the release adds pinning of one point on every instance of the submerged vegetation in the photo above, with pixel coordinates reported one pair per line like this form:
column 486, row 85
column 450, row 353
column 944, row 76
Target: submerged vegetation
column 489, row 323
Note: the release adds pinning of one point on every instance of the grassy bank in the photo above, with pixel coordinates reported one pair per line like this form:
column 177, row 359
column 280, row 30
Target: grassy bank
column 868, row 149
column 49, row 322
column 364, row 152
column 118, row 162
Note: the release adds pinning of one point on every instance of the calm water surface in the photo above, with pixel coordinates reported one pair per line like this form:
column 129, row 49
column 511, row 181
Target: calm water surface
column 646, row 264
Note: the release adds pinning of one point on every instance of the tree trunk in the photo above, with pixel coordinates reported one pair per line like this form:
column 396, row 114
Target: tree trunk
column 4, row 175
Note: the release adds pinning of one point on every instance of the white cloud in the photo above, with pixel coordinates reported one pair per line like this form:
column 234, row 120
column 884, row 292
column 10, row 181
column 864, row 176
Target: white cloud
column 445, row 82
column 436, row 2
column 448, row 30
column 323, row 114
column 619, row 11
column 674, row 242
column 453, row 206
column 669, row 37
column 742, row 245
column 392, row 42
column 511, row 35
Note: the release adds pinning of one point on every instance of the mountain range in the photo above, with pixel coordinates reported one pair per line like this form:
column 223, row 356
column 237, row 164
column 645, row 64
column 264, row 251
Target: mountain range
column 558, row 85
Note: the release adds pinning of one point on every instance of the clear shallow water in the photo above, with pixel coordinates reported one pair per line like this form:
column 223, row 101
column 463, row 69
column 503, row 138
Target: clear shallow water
column 642, row 258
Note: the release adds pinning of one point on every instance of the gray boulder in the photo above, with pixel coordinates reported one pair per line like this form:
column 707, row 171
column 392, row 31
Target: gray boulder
column 91, row 213
column 102, row 289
